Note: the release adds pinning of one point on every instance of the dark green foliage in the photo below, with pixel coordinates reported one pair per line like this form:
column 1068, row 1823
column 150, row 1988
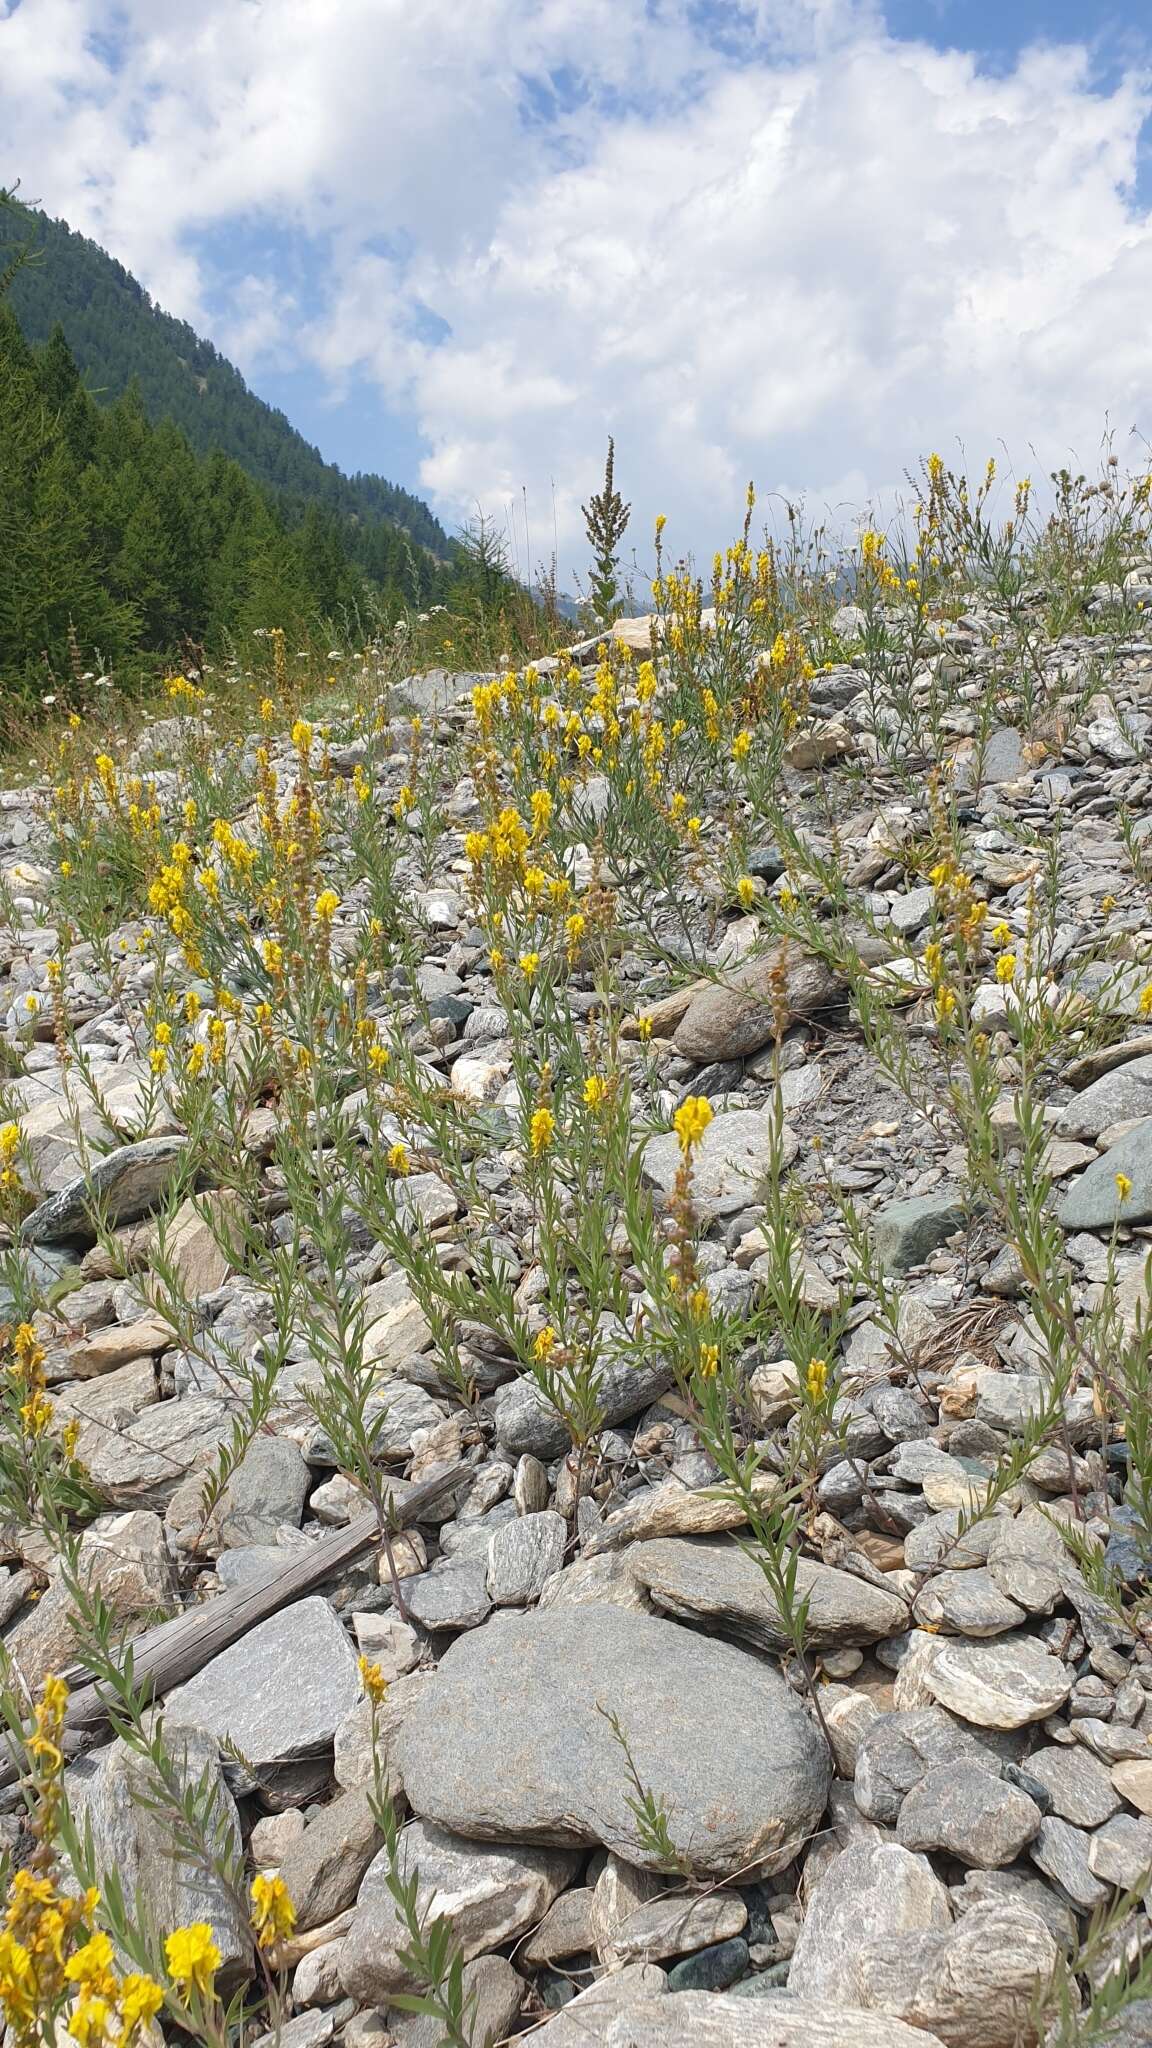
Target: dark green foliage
column 118, row 337
column 605, row 523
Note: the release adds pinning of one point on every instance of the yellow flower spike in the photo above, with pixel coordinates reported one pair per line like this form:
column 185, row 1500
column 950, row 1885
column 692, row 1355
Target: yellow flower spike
column 1123, row 1186
column 741, row 746
column 373, row 1680
column 945, row 1004
column 545, row 1343
column 326, row 905
column 644, row 1030
column 595, row 1090
column 816, row 1379
column 1006, row 967
column 92, row 1963
column 273, row 1914
column 746, row 891
column 541, row 1130
column 691, row 1121
column 398, row 1159
column 140, row 2000
column 1001, row 934
column 709, row 1364
column 1107, row 904
column 192, row 1958
column 1145, row 1004
column 529, row 964
column 301, row 734
column 378, row 1058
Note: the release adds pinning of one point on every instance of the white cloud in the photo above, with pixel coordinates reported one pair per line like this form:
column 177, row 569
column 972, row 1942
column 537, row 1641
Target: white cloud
column 787, row 247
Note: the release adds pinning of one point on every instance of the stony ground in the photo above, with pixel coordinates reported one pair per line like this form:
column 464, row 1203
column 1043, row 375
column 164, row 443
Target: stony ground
column 908, row 1864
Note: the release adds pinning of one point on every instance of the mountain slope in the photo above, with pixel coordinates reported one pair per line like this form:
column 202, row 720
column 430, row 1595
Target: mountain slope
column 117, row 336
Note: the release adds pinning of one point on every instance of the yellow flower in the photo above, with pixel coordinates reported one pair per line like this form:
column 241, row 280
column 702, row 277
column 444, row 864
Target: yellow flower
column 302, row 735
column 529, row 962
column 92, row 1963
column 273, row 1914
column 945, row 1004
column 140, row 2000
column 158, row 1059
column 1146, row 1000
column 398, row 1157
column 191, row 1953
column 709, row 1364
column 693, row 827
column 746, row 891
column 816, row 1378
column 1006, row 967
column 1123, row 1186
column 691, row 1121
column 1002, row 934
column 378, row 1058
column 326, row 905
column 273, row 956
column 541, row 1130
column 741, row 745
column 267, row 710
column 495, row 959
column 1107, row 904
column 373, row 1680
column 644, row 1030
column 545, row 1343
column 595, row 1089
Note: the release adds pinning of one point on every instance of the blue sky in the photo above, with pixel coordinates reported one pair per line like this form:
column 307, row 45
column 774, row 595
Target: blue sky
column 799, row 239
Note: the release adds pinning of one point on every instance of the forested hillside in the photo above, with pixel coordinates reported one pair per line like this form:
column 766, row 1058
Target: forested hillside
column 118, row 337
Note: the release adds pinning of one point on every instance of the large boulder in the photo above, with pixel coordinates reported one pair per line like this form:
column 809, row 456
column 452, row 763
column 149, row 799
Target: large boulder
column 511, row 1741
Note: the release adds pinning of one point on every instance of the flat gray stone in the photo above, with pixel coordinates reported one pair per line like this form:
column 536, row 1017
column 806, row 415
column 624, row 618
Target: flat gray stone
column 1121, row 1852
column 873, row 1889
column 324, row 1867
column 267, row 1490
column 487, row 1893
column 1061, row 1852
column 1001, row 1684
column 508, row 1743
column 714, row 1580
column 281, row 1692
column 966, row 1604
column 679, row 1924
column 1114, row 1098
column 897, row 1750
column 1080, row 1788
column 1093, row 1201
column 127, row 1182
column 452, row 1595
column 522, row 1555
column 109, row 1789
column 526, row 1423
column 975, row 1984
column 733, row 1021
column 906, row 1233
column 141, row 1463
column 968, row 1813
column 611, row 2014
column 729, row 1164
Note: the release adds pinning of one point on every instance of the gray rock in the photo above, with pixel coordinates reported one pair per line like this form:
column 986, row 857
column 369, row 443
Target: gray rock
column 527, row 1423
column 729, row 1164
column 1061, row 1852
column 110, row 1790
column 612, row 2015
column 1093, row 1201
column 733, row 1022
column 522, row 1556
column 122, row 1557
column 714, row 1580
column 487, row 1894
column 143, row 1461
column 1113, row 1099
column 981, row 1885
column 1080, row 1788
column 451, row 1596
column 507, row 1744
column 1121, row 1852
column 493, row 1995
column 566, row 1929
column 323, row 1868
column 973, row 1985
column 908, row 1232
column 127, row 1184
column 678, row 1924
column 1001, row 1684
column 970, row 1814
column 966, row 1604
column 897, row 1750
column 281, row 1692
column 1003, row 757
column 873, row 1889
column 267, row 1489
